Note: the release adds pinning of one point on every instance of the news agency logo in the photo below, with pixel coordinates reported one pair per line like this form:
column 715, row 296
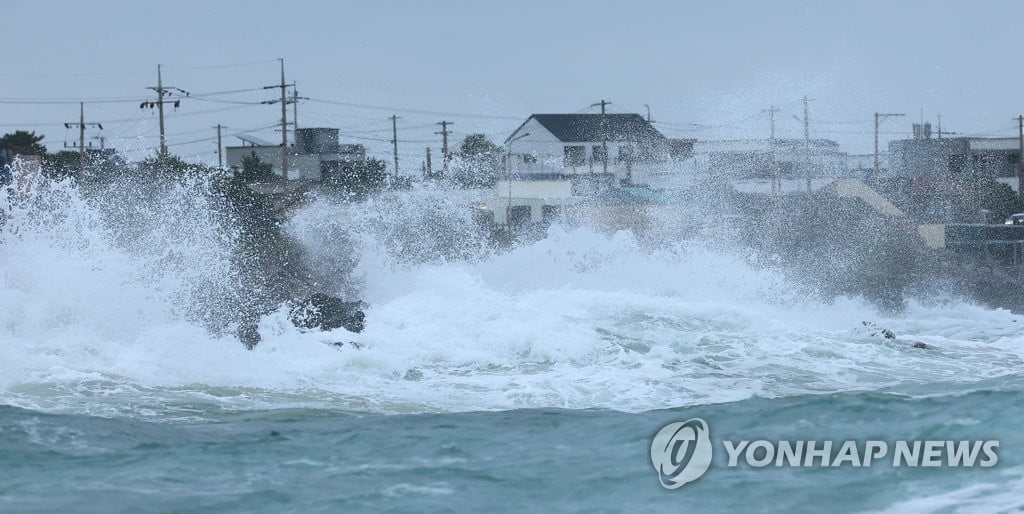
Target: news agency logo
column 681, row 453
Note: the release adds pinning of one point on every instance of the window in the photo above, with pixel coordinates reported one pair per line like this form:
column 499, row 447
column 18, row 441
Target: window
column 600, row 154
column 958, row 164
column 549, row 212
column 517, row 215
column 626, row 154
column 575, row 156
column 529, row 158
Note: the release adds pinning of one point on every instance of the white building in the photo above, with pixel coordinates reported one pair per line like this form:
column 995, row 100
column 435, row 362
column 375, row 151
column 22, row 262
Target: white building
column 556, row 157
column 765, row 158
column 620, row 148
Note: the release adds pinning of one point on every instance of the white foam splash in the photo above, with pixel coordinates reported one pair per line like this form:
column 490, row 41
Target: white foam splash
column 93, row 320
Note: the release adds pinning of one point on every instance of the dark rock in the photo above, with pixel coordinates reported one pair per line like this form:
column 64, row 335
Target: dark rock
column 353, row 344
column 249, row 334
column 884, row 332
column 327, row 312
column 921, row 346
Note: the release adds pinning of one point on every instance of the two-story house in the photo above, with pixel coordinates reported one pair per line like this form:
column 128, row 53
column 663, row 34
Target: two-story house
column 614, row 147
column 555, row 157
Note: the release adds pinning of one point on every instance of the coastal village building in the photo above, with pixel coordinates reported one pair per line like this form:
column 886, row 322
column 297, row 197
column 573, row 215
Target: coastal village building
column 616, row 147
column 553, row 157
column 767, row 158
column 956, row 158
column 316, row 155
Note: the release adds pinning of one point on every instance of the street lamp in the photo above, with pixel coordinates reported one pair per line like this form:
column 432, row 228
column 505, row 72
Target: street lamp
column 508, row 174
column 879, row 118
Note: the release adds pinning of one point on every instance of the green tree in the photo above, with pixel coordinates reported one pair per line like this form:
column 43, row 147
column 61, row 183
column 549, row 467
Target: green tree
column 171, row 165
column 368, row 176
column 61, row 164
column 477, row 145
column 23, row 143
column 362, row 178
column 479, row 161
column 255, row 170
column 998, row 198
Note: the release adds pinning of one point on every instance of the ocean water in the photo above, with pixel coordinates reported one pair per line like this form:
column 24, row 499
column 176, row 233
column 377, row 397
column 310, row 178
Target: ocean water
column 531, row 379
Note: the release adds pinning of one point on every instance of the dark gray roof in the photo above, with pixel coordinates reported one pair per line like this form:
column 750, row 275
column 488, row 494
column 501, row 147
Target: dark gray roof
column 577, row 128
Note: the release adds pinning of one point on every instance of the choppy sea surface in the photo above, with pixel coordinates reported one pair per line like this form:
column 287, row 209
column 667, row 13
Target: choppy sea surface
column 531, row 379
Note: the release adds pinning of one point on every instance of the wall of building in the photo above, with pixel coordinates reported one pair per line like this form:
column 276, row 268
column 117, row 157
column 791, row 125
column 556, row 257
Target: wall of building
column 764, row 158
column 301, row 166
column 954, row 157
column 534, row 194
column 940, row 157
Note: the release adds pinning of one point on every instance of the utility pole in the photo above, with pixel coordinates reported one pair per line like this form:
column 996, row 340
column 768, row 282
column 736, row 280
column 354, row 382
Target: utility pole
column 1020, row 158
column 444, row 144
column 429, row 173
column 879, row 118
column 284, row 118
column 295, row 111
column 771, row 110
column 648, row 107
column 81, row 124
column 160, row 102
column 394, row 139
column 161, row 93
column 807, row 119
column 807, row 142
column 941, row 132
column 284, row 126
column 81, row 135
column 220, row 155
column 604, row 133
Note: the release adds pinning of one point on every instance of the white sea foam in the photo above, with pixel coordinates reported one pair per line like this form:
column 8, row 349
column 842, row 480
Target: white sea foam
column 97, row 314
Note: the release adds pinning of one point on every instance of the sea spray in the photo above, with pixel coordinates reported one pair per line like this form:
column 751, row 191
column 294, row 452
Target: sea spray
column 580, row 319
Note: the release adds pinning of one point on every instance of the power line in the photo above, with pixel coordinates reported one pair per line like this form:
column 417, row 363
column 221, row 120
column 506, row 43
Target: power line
column 387, row 140
column 213, row 138
column 128, row 120
column 218, row 101
column 220, row 66
column 60, row 101
column 114, row 99
column 417, row 111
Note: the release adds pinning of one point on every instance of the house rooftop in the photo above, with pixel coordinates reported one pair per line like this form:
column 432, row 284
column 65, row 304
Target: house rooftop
column 581, row 128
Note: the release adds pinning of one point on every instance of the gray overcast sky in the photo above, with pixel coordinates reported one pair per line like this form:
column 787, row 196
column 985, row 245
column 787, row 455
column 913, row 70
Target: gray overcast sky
column 712, row 64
